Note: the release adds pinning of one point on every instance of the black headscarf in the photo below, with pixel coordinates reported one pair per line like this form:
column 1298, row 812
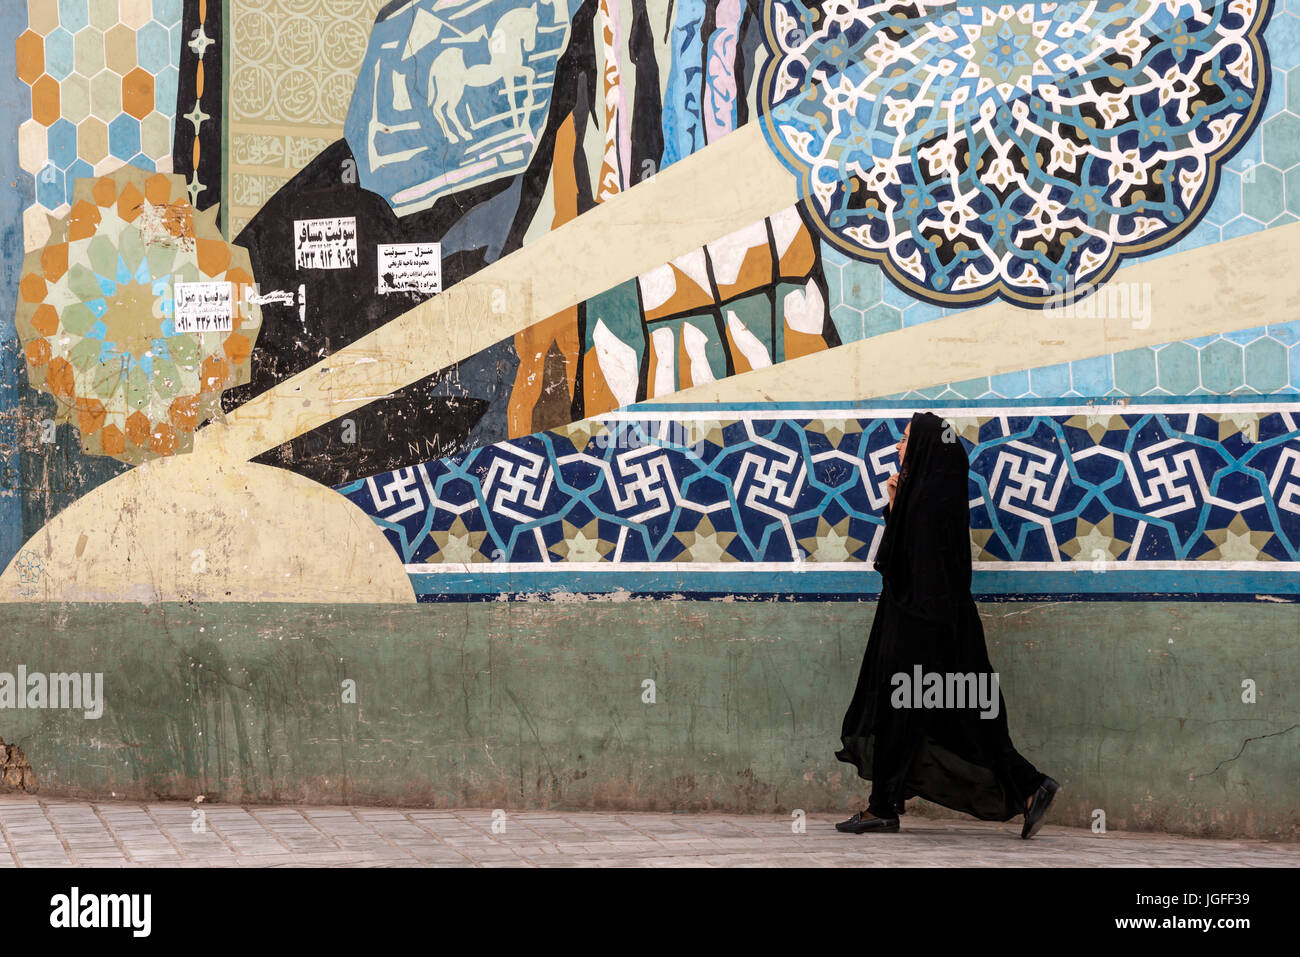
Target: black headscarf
column 924, row 554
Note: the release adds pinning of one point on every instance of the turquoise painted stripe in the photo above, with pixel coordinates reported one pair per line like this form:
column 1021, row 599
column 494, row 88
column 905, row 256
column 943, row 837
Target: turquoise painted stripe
column 1137, row 585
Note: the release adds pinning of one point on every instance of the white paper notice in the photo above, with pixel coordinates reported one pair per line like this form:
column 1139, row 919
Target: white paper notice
column 410, row 267
column 204, row 307
column 325, row 243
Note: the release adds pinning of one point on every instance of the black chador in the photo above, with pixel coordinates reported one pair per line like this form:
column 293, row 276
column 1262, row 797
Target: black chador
column 934, row 745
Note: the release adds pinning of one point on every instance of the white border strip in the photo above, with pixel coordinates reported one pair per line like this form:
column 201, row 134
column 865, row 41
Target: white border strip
column 727, row 413
column 1078, row 568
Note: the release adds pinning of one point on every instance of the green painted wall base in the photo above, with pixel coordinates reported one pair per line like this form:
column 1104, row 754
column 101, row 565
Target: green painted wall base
column 1135, row 707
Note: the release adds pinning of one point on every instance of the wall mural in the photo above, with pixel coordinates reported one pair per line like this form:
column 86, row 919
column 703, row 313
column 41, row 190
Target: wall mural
column 494, row 64
column 1014, row 150
column 219, row 197
column 785, row 502
column 99, row 321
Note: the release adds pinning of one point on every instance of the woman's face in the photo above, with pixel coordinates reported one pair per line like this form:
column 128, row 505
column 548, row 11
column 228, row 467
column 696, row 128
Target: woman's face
column 902, row 444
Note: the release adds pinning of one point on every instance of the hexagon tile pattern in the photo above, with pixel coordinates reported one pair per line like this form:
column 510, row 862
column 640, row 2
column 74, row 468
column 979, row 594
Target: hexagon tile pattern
column 1263, row 361
column 1259, row 189
column 103, row 76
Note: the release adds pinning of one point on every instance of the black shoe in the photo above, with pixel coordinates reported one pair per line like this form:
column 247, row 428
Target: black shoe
column 858, row 824
column 1038, row 810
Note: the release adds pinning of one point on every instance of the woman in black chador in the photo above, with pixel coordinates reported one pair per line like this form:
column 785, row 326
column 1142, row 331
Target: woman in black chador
column 960, row 757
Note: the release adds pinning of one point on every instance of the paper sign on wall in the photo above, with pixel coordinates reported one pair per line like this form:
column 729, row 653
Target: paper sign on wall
column 204, row 307
column 410, row 267
column 325, row 243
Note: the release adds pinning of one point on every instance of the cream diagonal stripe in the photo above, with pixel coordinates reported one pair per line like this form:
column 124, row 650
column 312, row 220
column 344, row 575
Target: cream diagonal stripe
column 731, row 183
column 212, row 526
column 1218, row 288
column 1241, row 283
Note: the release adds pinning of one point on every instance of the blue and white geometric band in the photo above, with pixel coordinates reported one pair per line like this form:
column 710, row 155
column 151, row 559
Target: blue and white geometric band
column 1126, row 500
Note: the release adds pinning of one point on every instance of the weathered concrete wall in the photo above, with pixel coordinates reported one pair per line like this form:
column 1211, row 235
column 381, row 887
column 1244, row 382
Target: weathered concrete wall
column 1135, row 707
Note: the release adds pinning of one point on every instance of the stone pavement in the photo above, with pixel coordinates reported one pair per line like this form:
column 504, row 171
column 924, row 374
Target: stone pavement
column 39, row 832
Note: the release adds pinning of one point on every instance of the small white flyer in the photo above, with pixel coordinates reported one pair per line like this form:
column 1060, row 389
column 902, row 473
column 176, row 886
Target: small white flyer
column 410, row 267
column 325, row 243
column 204, row 307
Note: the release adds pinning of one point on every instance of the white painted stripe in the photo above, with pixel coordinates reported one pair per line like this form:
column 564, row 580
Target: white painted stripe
column 723, row 413
column 1076, row 568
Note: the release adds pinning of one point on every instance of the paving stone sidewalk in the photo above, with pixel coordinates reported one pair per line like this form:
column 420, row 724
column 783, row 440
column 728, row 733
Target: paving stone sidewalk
column 37, row 832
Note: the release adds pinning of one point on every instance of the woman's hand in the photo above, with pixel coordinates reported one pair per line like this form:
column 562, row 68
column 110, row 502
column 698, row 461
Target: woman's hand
column 891, row 486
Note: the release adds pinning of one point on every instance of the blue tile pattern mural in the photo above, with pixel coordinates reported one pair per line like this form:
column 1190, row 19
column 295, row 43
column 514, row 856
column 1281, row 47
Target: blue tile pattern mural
column 1067, row 498
column 1252, row 195
column 1015, row 150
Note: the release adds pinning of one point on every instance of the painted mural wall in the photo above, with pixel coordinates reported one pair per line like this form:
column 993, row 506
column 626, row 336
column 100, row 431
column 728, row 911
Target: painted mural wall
column 585, row 330
column 219, row 200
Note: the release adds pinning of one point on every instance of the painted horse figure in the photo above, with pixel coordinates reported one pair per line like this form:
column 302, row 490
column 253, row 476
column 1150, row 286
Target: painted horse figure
column 512, row 39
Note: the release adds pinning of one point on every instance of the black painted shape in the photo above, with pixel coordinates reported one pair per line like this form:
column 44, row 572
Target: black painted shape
column 342, row 305
column 490, row 374
column 647, row 106
column 386, row 434
column 209, row 131
column 751, row 40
